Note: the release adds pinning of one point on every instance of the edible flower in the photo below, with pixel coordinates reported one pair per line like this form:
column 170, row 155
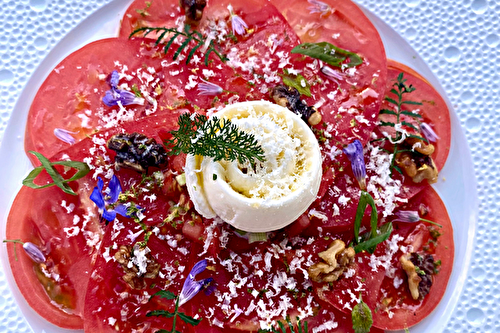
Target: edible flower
column 412, row 216
column 238, row 25
column 209, row 88
column 354, row 152
column 65, row 135
column 428, row 132
column 332, row 74
column 112, row 193
column 192, row 287
column 31, row 250
column 116, row 96
column 319, row 7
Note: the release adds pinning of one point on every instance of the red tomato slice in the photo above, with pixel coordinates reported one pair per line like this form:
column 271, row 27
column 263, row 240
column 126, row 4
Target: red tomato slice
column 434, row 110
column 67, row 232
column 355, row 105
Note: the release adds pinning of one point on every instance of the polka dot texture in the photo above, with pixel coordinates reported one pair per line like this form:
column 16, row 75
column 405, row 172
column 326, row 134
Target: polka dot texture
column 458, row 39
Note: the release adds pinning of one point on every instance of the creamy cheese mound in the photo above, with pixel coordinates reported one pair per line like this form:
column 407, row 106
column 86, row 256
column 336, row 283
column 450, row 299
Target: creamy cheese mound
column 275, row 192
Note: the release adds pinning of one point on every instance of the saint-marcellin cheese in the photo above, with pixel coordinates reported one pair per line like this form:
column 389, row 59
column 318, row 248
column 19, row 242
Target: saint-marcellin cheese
column 270, row 194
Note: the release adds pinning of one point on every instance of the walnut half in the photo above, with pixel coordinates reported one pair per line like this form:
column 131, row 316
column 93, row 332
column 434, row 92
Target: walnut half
column 336, row 260
column 411, row 272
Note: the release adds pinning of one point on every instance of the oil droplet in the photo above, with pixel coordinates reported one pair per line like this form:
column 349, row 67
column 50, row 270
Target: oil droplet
column 473, row 124
column 6, row 77
column 40, row 43
column 479, row 6
column 467, row 97
column 492, row 40
column 38, row 5
column 475, row 316
column 452, row 54
column 478, row 274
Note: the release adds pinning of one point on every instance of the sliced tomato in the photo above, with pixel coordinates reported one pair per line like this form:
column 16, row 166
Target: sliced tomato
column 65, row 228
column 433, row 110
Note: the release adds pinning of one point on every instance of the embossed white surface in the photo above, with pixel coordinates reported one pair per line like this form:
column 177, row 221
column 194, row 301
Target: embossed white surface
column 460, row 40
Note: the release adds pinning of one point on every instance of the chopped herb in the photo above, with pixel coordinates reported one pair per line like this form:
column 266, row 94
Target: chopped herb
column 144, row 12
column 189, row 36
column 220, row 139
column 59, row 180
column 329, row 53
column 300, row 327
column 136, row 91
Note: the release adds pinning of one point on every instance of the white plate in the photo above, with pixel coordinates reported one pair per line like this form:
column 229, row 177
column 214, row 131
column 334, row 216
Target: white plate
column 458, row 191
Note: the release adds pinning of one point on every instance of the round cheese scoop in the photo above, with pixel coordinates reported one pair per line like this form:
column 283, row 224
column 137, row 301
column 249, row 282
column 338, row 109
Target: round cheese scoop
column 271, row 194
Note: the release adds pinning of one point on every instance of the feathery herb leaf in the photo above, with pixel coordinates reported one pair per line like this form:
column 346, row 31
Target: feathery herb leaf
column 219, row 139
column 189, row 37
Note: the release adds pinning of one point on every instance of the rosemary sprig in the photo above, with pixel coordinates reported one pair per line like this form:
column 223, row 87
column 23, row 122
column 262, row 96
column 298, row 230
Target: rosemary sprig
column 220, row 139
column 400, row 89
column 188, row 36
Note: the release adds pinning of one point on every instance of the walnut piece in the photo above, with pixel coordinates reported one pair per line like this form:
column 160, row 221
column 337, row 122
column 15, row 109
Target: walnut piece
column 132, row 275
column 411, row 272
column 336, row 260
column 417, row 166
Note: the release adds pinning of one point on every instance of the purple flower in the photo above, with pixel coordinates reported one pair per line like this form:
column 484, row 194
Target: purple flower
column 192, row 287
column 428, row 132
column 354, row 152
column 238, row 25
column 34, row 252
column 318, row 7
column 116, row 96
column 112, row 193
column 209, row 89
column 332, row 74
column 64, row 135
column 409, row 216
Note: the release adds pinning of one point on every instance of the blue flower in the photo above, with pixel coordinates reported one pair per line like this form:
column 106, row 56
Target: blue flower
column 116, row 96
column 192, row 287
column 354, row 152
column 112, row 192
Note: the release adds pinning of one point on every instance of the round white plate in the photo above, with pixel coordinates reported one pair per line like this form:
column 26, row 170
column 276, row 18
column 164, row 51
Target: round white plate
column 458, row 191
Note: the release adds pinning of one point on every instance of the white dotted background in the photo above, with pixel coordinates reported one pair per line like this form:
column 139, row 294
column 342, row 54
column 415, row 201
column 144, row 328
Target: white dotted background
column 460, row 40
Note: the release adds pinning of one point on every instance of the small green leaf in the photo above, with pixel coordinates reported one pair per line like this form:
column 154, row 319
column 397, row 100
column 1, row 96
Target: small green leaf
column 165, row 294
column 418, row 137
column 411, row 102
column 387, row 111
column 390, row 100
column 405, row 123
column 328, row 53
column 296, row 81
column 160, row 313
column 82, row 170
column 411, row 114
column 189, row 320
column 362, row 319
column 386, row 123
column 370, row 244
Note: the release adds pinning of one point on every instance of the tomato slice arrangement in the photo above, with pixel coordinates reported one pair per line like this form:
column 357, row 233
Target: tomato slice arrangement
column 145, row 269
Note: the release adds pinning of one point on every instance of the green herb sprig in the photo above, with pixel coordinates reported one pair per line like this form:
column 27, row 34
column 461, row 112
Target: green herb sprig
column 59, row 180
column 188, row 36
column 331, row 54
column 167, row 314
column 370, row 240
column 362, row 319
column 400, row 89
column 219, row 139
column 301, row 327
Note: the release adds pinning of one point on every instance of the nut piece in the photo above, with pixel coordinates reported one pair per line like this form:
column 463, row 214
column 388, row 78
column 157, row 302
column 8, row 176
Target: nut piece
column 420, row 146
column 289, row 98
column 132, row 275
column 193, row 10
column 336, row 260
column 137, row 152
column 411, row 272
column 417, row 166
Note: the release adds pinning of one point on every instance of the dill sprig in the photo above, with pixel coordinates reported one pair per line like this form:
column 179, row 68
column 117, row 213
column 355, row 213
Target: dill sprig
column 220, row 139
column 188, row 37
column 400, row 89
column 300, row 327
